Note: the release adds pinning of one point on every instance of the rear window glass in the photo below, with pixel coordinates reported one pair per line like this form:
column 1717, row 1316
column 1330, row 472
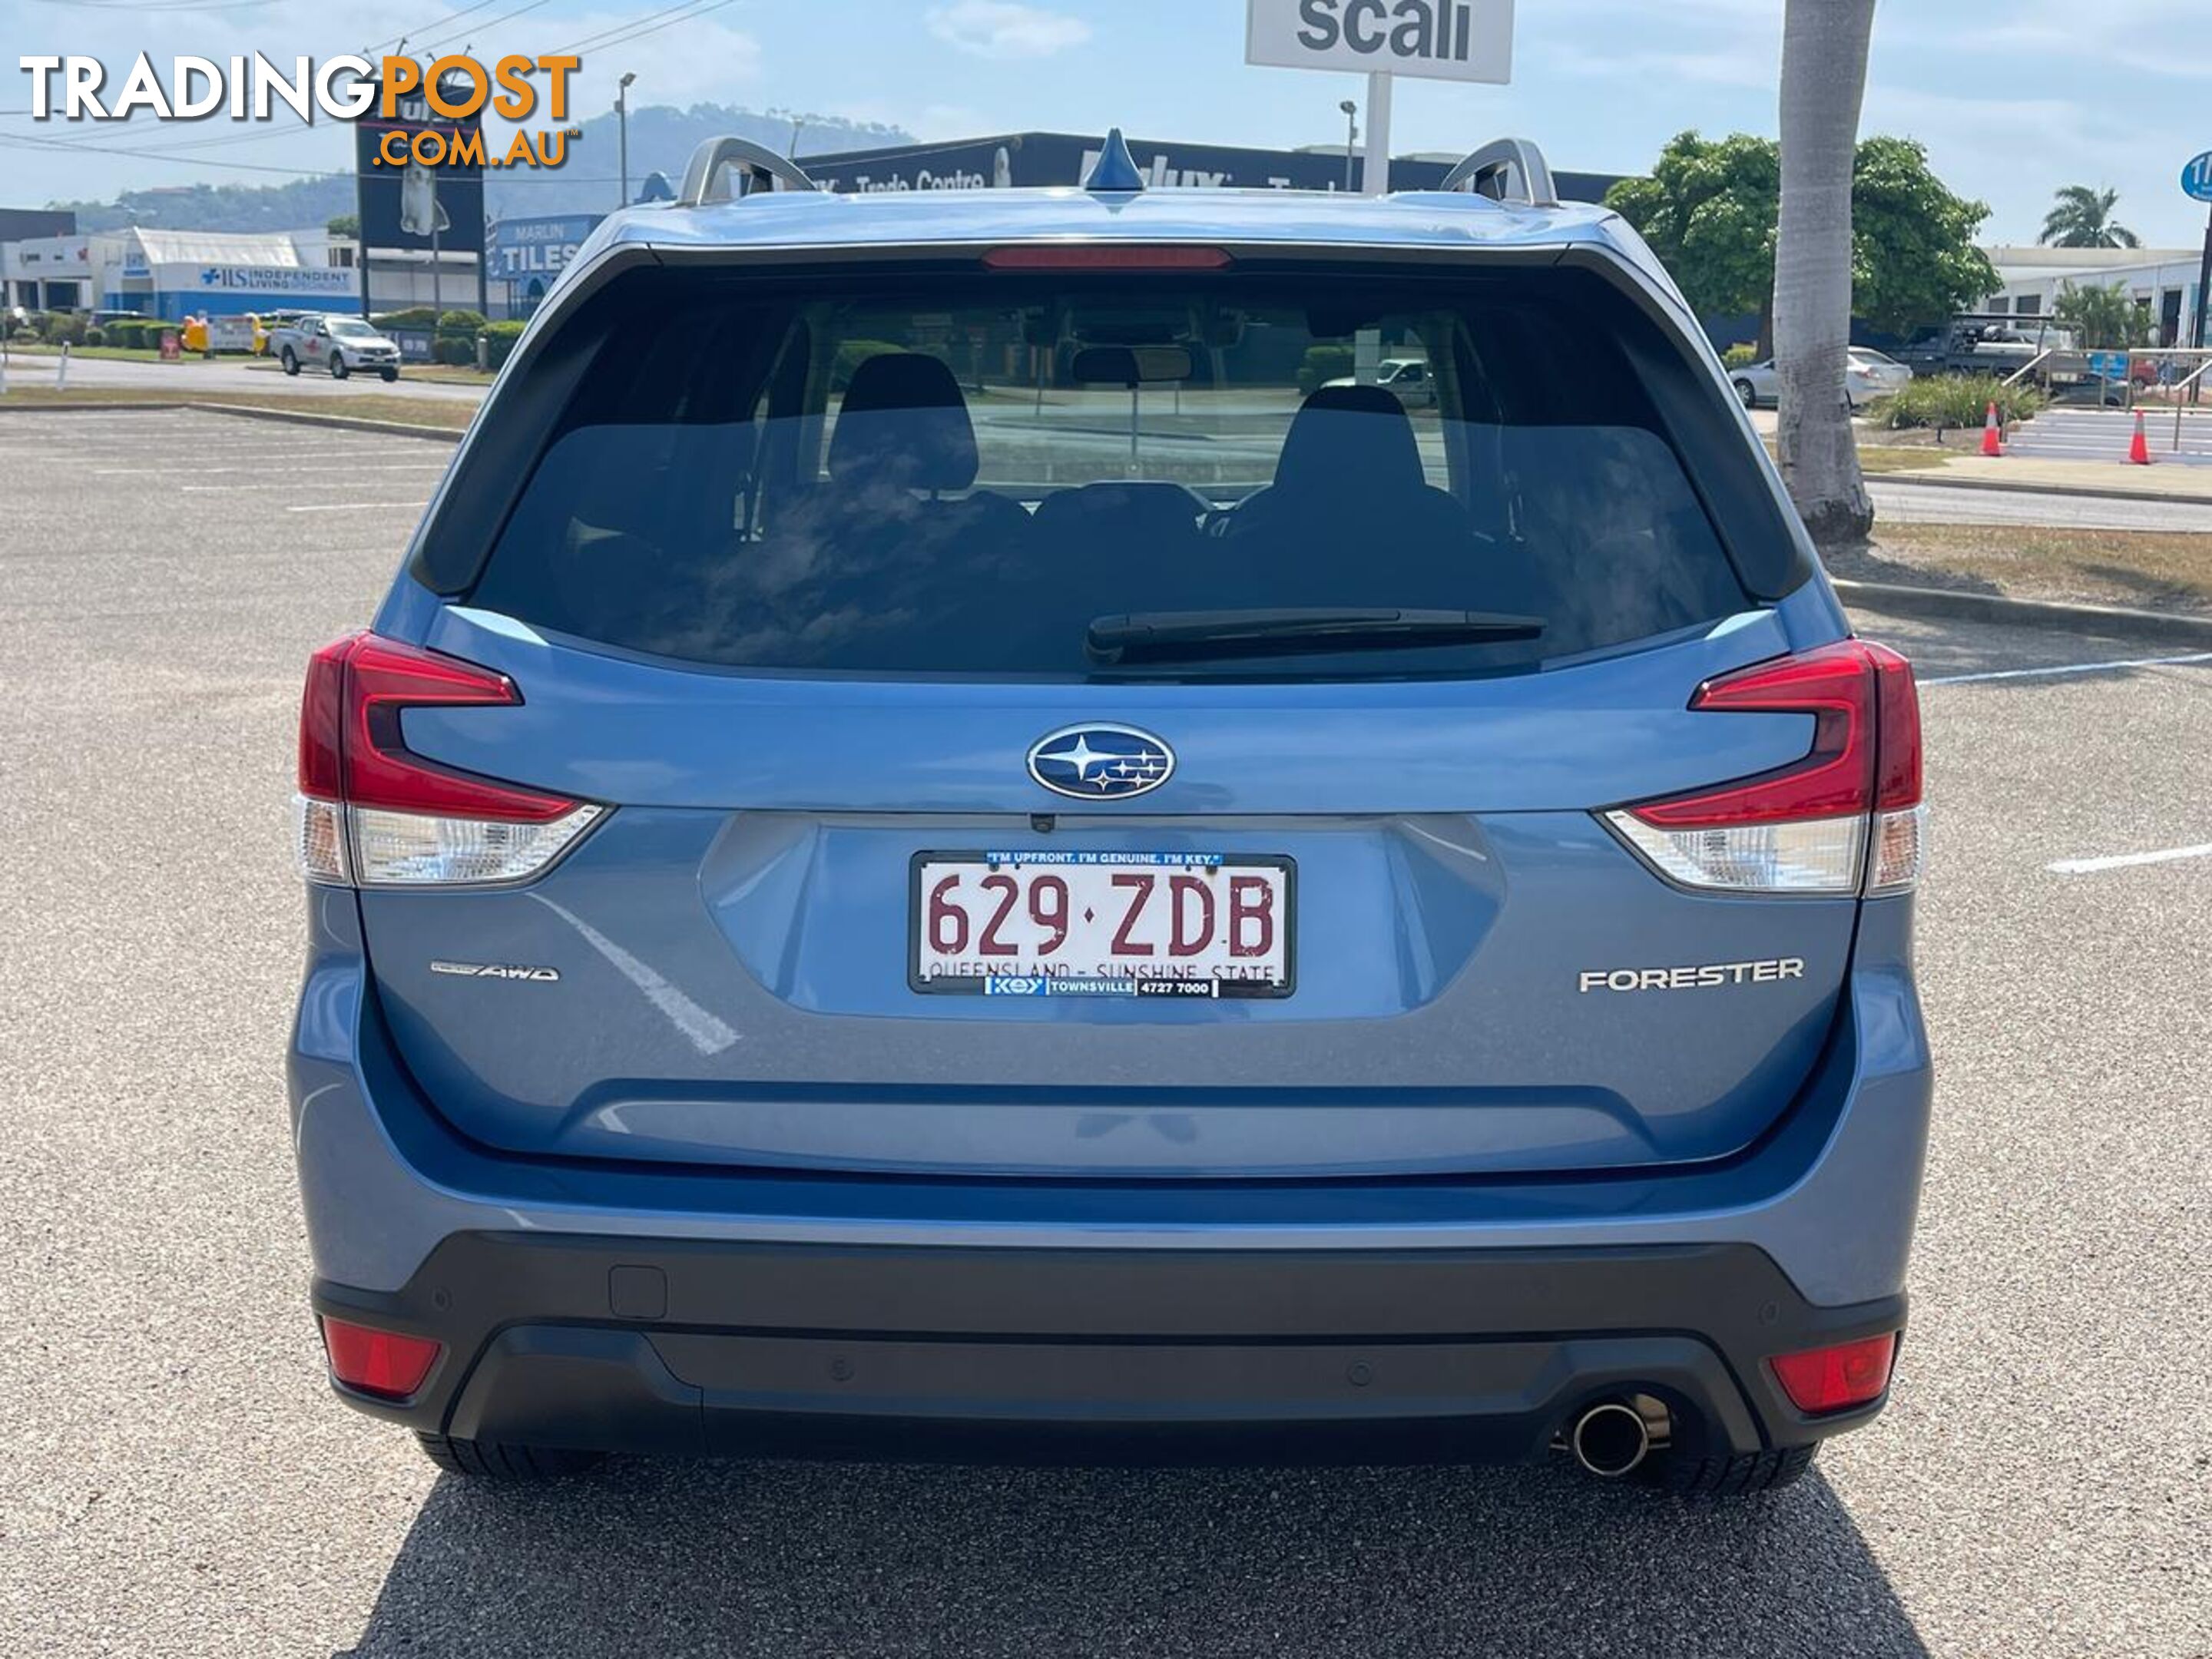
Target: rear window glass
column 1077, row 476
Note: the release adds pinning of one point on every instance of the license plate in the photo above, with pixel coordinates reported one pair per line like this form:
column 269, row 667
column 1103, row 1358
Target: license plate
column 1101, row 924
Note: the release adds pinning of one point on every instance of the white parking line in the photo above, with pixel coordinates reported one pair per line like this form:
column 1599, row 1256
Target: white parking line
column 196, row 471
column 351, row 507
column 2127, row 860
column 2069, row 668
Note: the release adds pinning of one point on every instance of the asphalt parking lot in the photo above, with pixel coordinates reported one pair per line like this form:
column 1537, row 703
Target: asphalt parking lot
column 179, row 1484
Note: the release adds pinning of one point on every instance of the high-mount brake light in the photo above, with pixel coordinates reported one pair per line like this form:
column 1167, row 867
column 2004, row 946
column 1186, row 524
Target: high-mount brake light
column 1105, row 256
column 1806, row 827
column 371, row 812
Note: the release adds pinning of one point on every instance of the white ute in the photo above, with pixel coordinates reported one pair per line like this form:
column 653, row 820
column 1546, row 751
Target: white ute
column 341, row 344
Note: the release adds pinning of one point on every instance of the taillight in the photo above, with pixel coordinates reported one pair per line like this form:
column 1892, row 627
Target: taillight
column 381, row 1362
column 371, row 812
column 1806, row 827
column 1837, row 1378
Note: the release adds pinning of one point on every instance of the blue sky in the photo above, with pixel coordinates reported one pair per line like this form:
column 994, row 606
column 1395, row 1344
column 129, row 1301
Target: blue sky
column 2012, row 97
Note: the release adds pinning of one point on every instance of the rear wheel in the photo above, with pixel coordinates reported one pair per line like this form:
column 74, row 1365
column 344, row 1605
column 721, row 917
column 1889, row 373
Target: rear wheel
column 494, row 1460
column 1733, row 1477
column 291, row 361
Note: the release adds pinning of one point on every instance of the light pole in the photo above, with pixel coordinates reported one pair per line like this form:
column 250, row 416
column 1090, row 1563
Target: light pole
column 1351, row 136
column 798, row 122
column 621, row 129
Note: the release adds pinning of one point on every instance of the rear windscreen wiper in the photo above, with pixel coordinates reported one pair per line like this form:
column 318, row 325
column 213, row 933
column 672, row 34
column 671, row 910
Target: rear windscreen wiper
column 1192, row 635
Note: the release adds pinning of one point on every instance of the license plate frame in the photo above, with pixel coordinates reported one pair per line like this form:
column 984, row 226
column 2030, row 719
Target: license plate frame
column 1163, row 989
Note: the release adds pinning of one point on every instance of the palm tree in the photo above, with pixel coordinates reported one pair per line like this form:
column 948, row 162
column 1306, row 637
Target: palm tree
column 1823, row 65
column 2082, row 217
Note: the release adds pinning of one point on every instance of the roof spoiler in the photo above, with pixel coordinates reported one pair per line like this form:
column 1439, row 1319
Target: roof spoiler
column 707, row 176
column 1506, row 170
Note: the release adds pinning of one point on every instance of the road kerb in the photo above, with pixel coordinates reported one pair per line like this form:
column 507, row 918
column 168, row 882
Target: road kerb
column 1953, row 604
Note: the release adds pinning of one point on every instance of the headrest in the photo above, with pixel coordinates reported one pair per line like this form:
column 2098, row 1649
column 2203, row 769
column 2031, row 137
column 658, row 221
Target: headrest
column 1353, row 437
column 903, row 423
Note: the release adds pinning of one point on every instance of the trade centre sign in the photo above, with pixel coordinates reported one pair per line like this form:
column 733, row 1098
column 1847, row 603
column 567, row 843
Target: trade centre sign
column 1438, row 39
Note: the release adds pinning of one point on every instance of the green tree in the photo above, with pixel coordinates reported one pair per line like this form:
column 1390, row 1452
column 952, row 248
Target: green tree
column 2082, row 217
column 1913, row 258
column 344, row 224
column 1709, row 211
column 1710, row 207
column 2103, row 319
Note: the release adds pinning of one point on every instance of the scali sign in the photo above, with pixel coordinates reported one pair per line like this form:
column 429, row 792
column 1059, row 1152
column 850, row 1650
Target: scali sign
column 1437, row 40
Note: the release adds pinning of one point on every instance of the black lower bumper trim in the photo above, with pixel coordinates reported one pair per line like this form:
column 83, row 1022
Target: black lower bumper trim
column 632, row 1345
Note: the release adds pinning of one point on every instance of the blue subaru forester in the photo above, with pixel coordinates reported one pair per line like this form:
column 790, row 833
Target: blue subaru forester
column 962, row 838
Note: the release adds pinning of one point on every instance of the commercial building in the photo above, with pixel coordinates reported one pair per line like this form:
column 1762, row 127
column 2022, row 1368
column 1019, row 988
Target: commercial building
column 1026, row 159
column 2162, row 281
column 175, row 273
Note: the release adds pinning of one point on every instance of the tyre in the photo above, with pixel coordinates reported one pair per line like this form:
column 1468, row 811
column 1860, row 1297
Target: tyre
column 1747, row 394
column 1733, row 1477
column 291, row 361
column 494, row 1460
column 388, row 375
column 339, row 369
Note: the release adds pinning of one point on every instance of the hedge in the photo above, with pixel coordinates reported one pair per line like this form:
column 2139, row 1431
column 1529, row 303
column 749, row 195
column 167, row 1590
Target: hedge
column 851, row 353
column 499, row 340
column 1324, row 363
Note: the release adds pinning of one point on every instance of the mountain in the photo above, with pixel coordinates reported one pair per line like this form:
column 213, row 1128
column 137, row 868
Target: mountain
column 661, row 139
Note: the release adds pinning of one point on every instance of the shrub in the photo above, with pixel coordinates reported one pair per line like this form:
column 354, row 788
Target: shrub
column 96, row 336
column 851, row 353
column 1739, row 356
column 64, row 328
column 500, row 338
column 470, row 322
column 1956, row 400
column 455, row 351
column 1324, row 363
column 413, row 317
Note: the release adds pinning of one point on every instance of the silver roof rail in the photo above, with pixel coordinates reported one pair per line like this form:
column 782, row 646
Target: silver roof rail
column 1506, row 170
column 707, row 177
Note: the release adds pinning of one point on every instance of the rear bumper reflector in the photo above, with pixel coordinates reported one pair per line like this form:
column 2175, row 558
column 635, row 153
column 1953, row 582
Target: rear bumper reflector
column 1822, row 1380
column 380, row 1363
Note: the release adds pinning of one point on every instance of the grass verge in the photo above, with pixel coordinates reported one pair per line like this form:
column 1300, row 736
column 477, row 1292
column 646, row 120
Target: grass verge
column 110, row 354
column 445, row 415
column 1875, row 458
column 2146, row 570
column 436, row 374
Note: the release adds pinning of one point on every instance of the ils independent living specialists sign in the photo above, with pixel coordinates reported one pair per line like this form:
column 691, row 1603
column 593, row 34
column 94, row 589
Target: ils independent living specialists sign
column 1440, row 39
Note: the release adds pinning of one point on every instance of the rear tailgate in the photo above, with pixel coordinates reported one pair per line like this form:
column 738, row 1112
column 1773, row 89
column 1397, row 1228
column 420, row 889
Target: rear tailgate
column 734, row 943
column 798, row 572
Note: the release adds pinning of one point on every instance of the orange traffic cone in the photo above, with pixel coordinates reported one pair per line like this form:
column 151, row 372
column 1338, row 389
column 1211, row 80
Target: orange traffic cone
column 1992, row 435
column 2139, row 450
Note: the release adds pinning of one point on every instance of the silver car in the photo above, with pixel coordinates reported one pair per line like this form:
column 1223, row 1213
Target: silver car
column 1871, row 375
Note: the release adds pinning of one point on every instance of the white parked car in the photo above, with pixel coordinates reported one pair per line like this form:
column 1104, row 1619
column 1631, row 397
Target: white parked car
column 1407, row 377
column 1871, row 375
column 341, row 344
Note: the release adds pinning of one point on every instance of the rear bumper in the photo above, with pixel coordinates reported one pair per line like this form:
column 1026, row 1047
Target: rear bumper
column 629, row 1306
column 604, row 1344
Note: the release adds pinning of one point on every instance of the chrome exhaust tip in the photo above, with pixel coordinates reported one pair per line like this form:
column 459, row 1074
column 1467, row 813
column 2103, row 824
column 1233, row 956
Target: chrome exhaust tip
column 1610, row 1439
